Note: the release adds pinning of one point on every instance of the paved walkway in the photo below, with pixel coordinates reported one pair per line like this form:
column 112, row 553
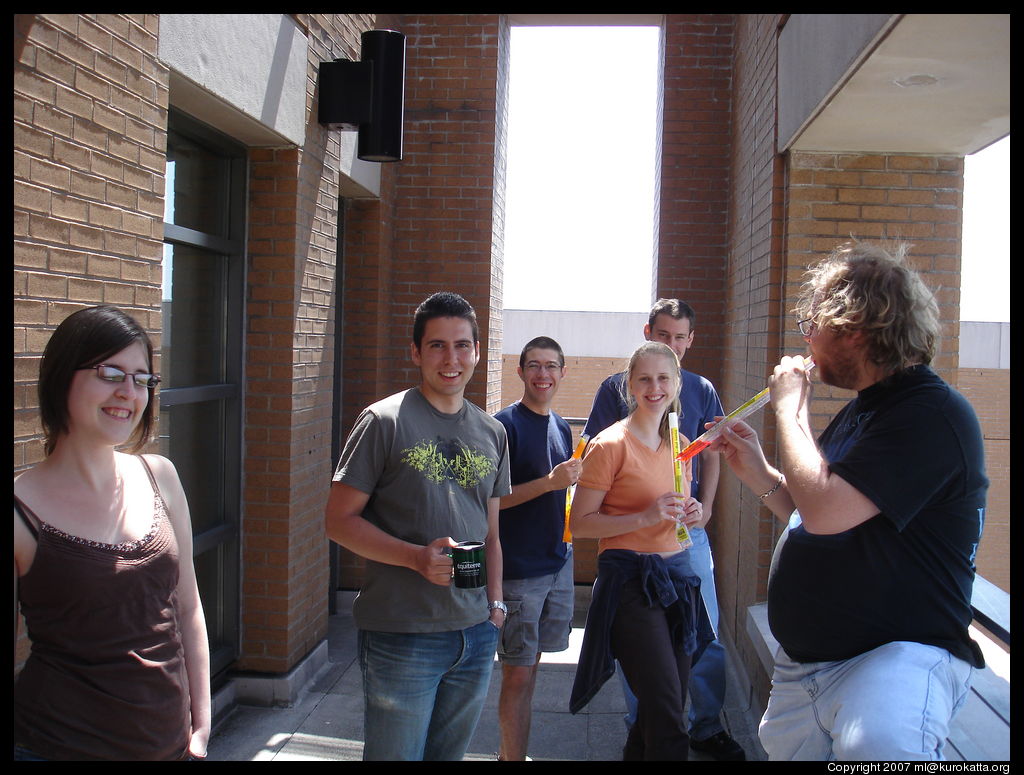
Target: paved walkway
column 326, row 721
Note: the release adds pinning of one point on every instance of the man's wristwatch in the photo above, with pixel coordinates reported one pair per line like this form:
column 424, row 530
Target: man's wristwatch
column 497, row 604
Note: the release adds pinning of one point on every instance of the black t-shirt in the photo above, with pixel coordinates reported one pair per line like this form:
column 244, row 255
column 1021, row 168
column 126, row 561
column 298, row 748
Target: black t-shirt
column 912, row 445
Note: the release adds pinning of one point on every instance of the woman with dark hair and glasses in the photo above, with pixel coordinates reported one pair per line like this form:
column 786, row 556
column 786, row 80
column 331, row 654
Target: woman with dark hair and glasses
column 119, row 666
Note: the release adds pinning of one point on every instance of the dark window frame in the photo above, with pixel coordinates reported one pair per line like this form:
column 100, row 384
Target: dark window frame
column 222, row 597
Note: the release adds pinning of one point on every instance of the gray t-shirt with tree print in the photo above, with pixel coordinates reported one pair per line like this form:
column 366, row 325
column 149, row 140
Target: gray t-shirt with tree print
column 428, row 475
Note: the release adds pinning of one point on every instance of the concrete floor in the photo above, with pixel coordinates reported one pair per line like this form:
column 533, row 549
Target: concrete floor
column 326, row 720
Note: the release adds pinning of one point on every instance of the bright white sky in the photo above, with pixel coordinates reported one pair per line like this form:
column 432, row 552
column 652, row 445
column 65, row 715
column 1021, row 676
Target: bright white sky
column 579, row 218
column 985, row 258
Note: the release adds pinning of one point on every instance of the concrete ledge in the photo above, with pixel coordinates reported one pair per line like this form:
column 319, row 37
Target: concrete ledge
column 270, row 690
column 991, row 607
column 761, row 636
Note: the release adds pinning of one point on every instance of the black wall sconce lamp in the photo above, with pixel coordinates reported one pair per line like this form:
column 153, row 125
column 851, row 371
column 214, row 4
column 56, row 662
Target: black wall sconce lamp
column 369, row 94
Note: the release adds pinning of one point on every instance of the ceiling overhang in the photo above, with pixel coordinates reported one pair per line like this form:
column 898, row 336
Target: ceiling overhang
column 923, row 83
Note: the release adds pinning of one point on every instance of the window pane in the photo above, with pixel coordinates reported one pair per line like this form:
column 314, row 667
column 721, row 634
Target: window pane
column 221, row 624
column 197, row 187
column 200, row 353
column 192, row 435
column 195, row 318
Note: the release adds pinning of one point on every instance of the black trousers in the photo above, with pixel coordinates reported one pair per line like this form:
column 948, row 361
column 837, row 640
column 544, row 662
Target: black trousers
column 642, row 642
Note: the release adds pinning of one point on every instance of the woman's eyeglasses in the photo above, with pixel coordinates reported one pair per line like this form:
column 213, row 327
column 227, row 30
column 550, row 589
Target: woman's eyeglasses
column 114, row 374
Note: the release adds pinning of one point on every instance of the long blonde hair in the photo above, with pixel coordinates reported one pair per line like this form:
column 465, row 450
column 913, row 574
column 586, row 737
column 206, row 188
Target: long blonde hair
column 664, row 351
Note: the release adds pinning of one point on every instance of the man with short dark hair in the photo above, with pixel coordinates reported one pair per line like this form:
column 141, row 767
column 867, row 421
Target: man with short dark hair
column 672, row 322
column 538, row 584
column 421, row 470
column 869, row 593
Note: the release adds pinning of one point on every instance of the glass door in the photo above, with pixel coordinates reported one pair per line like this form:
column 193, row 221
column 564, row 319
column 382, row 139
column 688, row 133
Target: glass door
column 202, row 359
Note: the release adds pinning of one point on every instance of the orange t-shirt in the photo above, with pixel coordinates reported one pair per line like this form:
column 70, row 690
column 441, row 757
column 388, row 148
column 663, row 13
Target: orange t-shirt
column 632, row 476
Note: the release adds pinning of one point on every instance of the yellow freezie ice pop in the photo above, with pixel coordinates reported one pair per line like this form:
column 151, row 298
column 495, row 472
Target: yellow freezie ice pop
column 577, row 453
column 685, row 542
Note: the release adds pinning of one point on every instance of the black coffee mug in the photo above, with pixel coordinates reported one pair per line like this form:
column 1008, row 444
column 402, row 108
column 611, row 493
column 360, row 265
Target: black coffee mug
column 468, row 566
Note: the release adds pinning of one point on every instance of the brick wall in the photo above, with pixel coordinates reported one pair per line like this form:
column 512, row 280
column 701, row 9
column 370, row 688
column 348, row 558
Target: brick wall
column 988, row 390
column 90, row 106
column 91, row 103
column 495, row 331
column 287, row 399
column 694, row 176
column 287, row 406
column 740, row 531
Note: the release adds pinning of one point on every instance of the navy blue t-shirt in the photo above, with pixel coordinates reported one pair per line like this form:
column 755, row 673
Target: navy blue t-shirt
column 913, row 446
column 531, row 533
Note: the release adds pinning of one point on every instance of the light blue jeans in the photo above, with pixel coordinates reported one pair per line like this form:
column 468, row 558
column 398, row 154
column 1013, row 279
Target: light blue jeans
column 893, row 703
column 424, row 691
column 707, row 675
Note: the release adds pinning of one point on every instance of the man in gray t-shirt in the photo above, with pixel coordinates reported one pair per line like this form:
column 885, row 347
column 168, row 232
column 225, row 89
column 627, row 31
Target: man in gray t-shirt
column 422, row 470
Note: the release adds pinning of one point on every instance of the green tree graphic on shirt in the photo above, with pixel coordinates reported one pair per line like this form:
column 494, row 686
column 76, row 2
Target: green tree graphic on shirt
column 439, row 461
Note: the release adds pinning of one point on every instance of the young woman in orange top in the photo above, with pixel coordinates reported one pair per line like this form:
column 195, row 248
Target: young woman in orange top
column 646, row 610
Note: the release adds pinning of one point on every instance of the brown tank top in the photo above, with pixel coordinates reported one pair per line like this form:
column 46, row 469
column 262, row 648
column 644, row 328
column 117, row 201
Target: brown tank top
column 106, row 675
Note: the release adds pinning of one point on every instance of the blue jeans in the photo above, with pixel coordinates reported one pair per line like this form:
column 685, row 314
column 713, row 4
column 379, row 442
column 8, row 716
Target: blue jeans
column 25, row 755
column 707, row 675
column 893, row 703
column 424, row 691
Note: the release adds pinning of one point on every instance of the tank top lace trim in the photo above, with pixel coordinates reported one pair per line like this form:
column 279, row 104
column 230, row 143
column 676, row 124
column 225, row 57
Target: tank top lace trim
column 126, row 547
column 106, row 675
